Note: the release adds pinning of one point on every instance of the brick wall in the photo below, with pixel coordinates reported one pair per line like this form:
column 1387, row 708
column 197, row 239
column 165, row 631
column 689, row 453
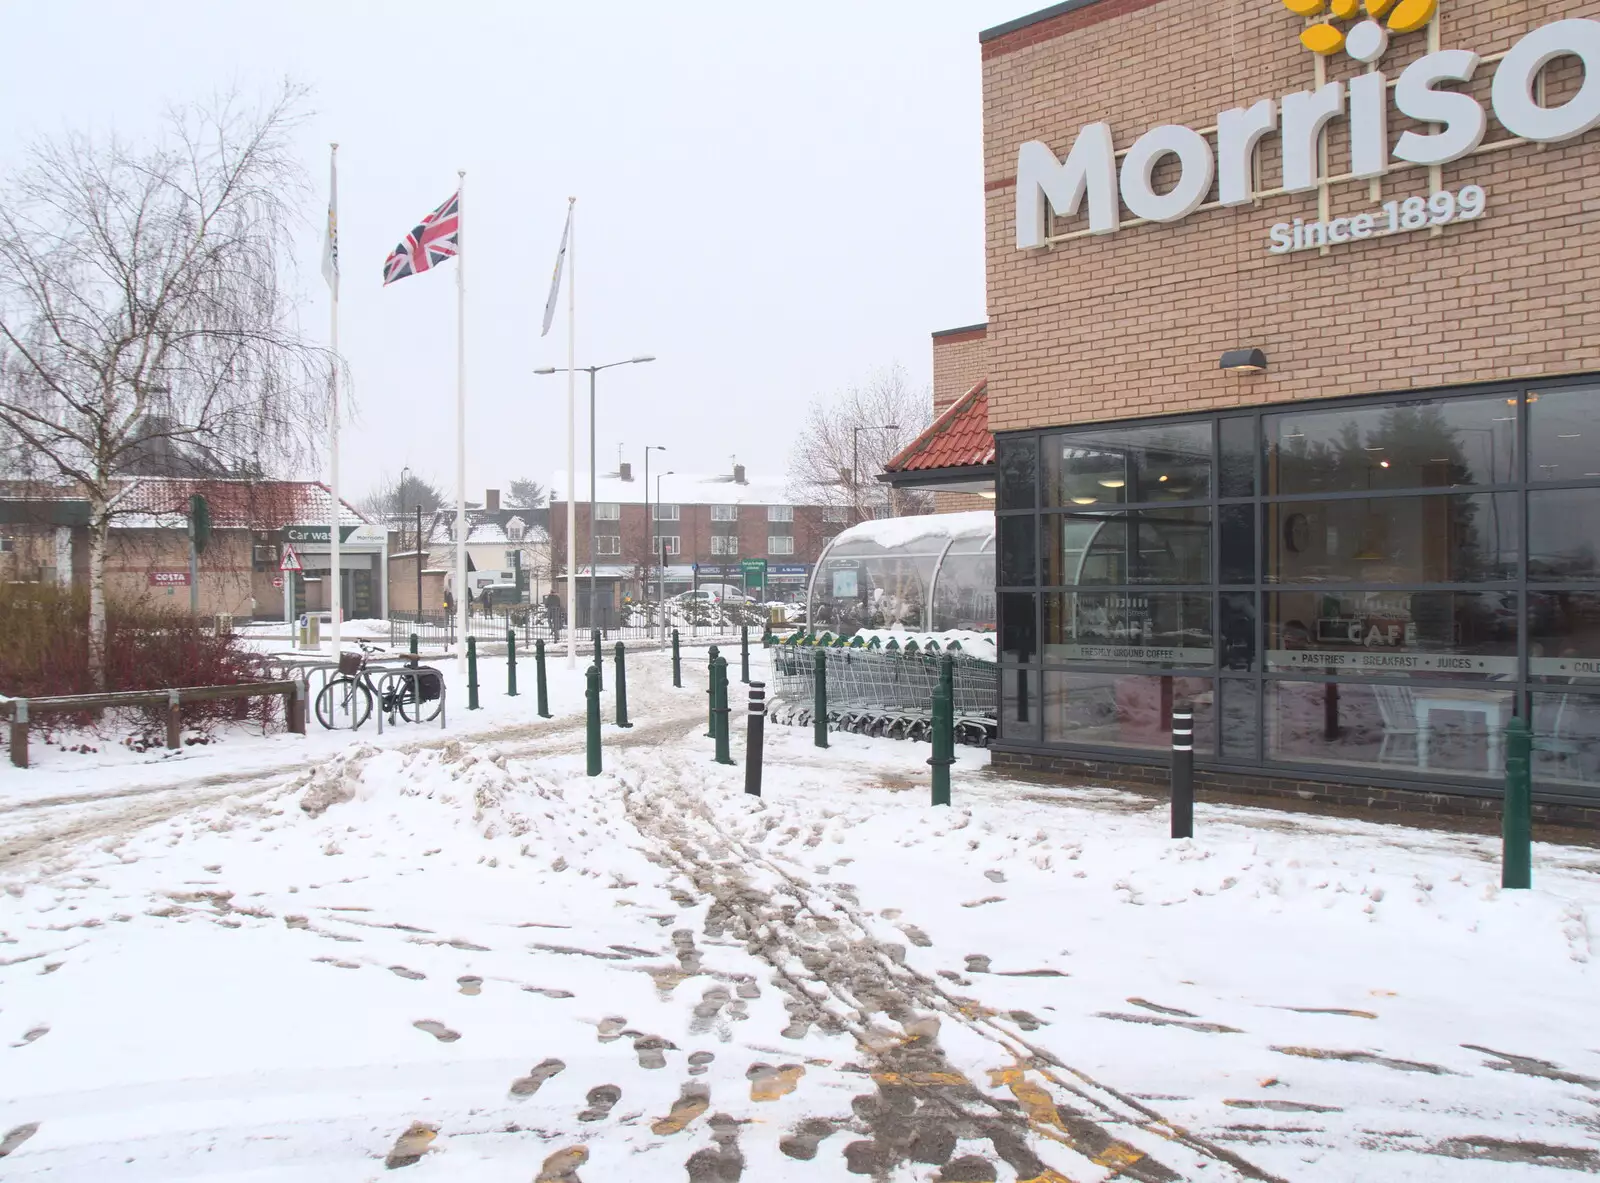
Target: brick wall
column 1133, row 323
column 960, row 362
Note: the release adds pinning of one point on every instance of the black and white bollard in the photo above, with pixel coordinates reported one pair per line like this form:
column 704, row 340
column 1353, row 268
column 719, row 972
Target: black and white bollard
column 755, row 728
column 1183, row 772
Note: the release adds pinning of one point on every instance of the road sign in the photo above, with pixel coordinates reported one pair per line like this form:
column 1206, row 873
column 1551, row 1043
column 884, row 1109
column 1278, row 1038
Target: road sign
column 755, row 572
column 277, row 581
column 290, row 560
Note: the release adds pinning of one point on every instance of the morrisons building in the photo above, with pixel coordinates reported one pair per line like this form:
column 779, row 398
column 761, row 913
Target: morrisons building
column 1293, row 373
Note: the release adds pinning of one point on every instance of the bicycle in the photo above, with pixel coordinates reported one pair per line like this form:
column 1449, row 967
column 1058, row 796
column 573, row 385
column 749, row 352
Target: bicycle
column 345, row 703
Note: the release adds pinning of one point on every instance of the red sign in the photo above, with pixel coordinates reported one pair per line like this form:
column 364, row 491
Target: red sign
column 169, row 579
column 277, row 581
column 290, row 560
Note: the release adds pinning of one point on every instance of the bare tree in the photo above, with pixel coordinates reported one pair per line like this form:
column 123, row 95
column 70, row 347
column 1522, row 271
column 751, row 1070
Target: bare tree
column 390, row 500
column 849, row 438
column 145, row 313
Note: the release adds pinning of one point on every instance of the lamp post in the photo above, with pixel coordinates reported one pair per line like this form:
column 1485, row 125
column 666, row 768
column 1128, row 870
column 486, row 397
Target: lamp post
column 400, row 515
column 661, row 586
column 649, row 524
column 855, row 460
column 591, row 371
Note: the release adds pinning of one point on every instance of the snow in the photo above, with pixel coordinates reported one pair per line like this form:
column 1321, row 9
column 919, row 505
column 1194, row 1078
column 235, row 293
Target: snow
column 299, row 952
column 892, row 533
column 973, row 644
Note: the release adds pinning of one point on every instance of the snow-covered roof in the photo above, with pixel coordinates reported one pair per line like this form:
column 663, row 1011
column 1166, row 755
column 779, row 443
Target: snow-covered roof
column 976, row 525
column 158, row 503
column 677, row 488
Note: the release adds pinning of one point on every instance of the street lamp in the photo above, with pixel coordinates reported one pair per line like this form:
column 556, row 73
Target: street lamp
column 661, row 585
column 855, row 460
column 591, row 371
column 649, row 524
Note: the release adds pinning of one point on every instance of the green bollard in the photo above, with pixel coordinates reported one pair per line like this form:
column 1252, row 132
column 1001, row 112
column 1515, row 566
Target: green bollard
column 622, row 689
column 677, row 662
column 744, row 654
column 540, row 682
column 413, row 644
column 598, row 660
column 1516, row 860
column 511, row 663
column 592, row 728
column 719, row 709
column 472, row 673
column 711, row 693
column 944, row 728
column 819, row 701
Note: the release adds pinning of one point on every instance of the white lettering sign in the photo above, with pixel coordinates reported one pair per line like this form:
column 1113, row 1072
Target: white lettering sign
column 1133, row 654
column 1088, row 177
column 1392, row 217
column 1386, row 662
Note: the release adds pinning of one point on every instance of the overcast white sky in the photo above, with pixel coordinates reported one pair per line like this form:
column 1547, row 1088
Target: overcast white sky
column 774, row 199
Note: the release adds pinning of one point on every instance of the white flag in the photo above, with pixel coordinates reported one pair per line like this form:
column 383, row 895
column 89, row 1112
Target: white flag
column 555, row 279
column 330, row 241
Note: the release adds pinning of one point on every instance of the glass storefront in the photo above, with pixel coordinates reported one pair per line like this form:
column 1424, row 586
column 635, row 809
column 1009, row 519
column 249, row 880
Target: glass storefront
column 1371, row 585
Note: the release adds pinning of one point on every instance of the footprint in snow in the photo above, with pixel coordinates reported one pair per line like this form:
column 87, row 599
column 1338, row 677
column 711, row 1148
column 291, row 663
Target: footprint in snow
column 526, row 1086
column 699, row 1062
column 977, row 963
column 438, row 1030
column 769, row 1084
column 610, row 1029
column 916, row 936
column 17, row 1137
column 694, row 1101
column 33, row 1033
column 721, row 1162
column 707, row 1010
column 470, row 985
column 410, row 975
column 562, row 1166
column 807, row 1137
column 652, row 1050
column 995, row 876
column 410, row 1146
column 602, row 1100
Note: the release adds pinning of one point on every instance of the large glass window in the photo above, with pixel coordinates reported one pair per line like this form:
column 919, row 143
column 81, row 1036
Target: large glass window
column 1370, row 448
column 1367, row 586
column 1132, row 546
column 1469, row 538
column 1129, row 464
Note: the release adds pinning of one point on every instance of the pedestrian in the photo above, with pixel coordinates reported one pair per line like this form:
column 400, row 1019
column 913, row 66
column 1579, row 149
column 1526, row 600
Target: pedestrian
column 554, row 615
column 449, row 603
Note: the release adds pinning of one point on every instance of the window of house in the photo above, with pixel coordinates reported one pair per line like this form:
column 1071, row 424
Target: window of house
column 667, row 541
column 725, row 544
column 836, row 513
column 607, row 511
column 724, row 513
column 608, row 544
column 666, row 513
column 516, row 529
column 780, row 544
column 780, row 513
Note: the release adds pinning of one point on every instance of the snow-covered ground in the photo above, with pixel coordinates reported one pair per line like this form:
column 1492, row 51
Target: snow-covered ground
column 454, row 954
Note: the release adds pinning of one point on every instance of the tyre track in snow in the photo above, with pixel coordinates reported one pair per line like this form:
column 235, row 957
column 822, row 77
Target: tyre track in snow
column 838, row 975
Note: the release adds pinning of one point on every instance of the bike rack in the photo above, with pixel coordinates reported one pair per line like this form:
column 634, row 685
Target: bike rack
column 387, row 679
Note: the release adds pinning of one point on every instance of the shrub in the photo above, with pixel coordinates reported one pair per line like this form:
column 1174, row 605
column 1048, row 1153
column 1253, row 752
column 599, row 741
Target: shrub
column 44, row 651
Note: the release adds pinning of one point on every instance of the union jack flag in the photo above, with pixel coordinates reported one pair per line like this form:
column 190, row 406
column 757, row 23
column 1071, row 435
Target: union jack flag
column 433, row 240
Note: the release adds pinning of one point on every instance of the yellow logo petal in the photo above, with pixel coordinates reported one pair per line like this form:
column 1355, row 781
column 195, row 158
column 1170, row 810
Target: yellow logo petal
column 1345, row 9
column 1304, row 7
column 1409, row 15
column 1326, row 39
column 1376, row 8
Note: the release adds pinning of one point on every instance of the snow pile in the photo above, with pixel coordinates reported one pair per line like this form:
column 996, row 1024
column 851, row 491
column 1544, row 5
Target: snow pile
column 979, row 645
column 931, row 529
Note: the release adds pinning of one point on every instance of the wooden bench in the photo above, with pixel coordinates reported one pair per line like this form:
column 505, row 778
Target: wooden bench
column 22, row 710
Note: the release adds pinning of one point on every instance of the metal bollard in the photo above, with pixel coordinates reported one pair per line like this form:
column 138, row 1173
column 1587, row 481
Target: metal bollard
column 1183, row 772
column 540, row 682
column 592, row 724
column 598, row 660
column 677, row 662
column 719, row 709
column 413, row 643
column 711, row 693
column 1516, row 825
column 174, row 720
column 19, row 732
column 472, row 673
column 511, row 663
column 622, row 689
column 744, row 654
column 755, row 728
column 819, row 700
column 943, row 732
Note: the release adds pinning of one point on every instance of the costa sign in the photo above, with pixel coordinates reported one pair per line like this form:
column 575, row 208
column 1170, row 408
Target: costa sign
column 1089, row 178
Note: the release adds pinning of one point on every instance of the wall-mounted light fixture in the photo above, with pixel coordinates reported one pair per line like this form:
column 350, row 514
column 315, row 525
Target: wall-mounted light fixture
column 1244, row 361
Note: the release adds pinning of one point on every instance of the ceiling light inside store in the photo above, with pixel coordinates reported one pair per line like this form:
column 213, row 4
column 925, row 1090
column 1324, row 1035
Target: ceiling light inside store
column 1162, row 478
column 1383, row 464
column 1084, row 500
column 1113, row 482
column 1572, row 435
column 1506, row 419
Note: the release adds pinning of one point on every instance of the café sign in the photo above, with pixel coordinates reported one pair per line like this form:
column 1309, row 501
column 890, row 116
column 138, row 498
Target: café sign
column 1090, row 180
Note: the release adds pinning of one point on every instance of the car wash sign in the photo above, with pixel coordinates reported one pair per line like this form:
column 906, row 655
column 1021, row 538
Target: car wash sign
column 1090, row 182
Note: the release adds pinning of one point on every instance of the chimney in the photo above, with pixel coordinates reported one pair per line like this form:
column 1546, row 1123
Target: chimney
column 625, row 470
column 738, row 474
column 491, row 499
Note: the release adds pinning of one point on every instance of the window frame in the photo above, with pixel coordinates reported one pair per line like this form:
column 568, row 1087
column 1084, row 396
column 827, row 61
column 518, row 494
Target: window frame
column 608, row 511
column 1519, row 484
column 724, row 513
column 773, row 547
column 658, row 512
column 780, row 513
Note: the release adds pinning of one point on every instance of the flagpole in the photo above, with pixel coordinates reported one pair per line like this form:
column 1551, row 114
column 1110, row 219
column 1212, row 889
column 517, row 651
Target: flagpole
column 461, row 423
column 572, row 446
column 335, row 572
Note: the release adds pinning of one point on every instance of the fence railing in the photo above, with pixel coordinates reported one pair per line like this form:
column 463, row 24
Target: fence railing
column 440, row 630
column 22, row 710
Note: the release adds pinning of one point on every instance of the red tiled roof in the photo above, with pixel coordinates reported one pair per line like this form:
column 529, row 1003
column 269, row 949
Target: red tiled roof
column 235, row 504
column 959, row 438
